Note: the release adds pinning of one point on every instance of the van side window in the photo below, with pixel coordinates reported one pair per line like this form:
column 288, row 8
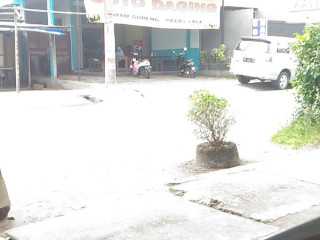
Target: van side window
column 254, row 46
column 283, row 47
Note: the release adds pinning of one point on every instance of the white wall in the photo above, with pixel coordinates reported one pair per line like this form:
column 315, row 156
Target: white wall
column 242, row 3
column 237, row 24
column 275, row 9
column 5, row 2
column 267, row 9
column 305, row 16
column 296, row 11
column 306, row 11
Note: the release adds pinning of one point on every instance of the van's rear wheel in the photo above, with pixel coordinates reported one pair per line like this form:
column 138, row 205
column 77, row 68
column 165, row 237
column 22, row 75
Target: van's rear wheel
column 243, row 79
column 283, row 81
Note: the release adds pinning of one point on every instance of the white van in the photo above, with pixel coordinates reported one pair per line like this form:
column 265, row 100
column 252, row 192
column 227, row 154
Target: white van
column 264, row 58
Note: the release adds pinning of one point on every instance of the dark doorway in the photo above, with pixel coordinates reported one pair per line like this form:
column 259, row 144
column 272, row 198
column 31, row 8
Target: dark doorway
column 38, row 45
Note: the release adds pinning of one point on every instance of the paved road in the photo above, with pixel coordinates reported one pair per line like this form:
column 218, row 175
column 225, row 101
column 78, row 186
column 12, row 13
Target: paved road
column 63, row 154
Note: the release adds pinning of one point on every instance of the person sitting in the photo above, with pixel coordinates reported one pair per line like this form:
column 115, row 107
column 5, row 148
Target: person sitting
column 138, row 50
column 119, row 53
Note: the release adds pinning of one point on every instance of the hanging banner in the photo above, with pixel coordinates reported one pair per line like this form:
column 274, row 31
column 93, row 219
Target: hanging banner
column 176, row 14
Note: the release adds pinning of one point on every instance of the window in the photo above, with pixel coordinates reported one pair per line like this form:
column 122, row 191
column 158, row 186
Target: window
column 253, row 46
column 283, row 47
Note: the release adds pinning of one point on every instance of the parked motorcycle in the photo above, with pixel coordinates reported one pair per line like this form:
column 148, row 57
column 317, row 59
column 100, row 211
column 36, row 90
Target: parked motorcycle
column 185, row 67
column 140, row 67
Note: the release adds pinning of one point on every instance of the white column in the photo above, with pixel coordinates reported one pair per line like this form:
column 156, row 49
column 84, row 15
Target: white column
column 109, row 44
column 16, row 48
column 52, row 41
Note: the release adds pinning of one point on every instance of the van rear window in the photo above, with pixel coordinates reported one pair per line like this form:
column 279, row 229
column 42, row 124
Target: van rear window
column 254, row 46
column 283, row 47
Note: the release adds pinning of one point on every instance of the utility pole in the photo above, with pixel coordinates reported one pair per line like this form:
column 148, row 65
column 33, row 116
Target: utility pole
column 109, row 44
column 52, row 39
column 78, row 43
column 222, row 25
column 16, row 47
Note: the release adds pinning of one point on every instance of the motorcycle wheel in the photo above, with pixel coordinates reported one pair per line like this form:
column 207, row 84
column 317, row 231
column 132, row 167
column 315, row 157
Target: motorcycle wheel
column 147, row 75
column 142, row 72
column 190, row 72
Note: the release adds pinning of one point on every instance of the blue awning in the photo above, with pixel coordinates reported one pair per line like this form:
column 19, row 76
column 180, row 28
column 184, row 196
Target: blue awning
column 49, row 29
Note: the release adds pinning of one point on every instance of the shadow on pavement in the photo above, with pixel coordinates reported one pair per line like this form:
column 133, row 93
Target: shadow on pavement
column 261, row 86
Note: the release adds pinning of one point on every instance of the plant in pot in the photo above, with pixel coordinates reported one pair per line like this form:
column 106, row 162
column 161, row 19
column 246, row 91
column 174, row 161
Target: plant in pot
column 218, row 56
column 205, row 59
column 212, row 120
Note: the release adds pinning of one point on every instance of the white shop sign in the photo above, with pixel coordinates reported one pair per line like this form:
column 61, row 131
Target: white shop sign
column 176, row 14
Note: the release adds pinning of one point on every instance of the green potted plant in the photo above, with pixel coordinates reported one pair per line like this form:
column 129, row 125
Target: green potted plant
column 219, row 58
column 205, row 59
column 212, row 120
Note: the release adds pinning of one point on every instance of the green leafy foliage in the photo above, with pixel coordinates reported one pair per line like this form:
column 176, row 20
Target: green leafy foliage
column 307, row 83
column 218, row 55
column 205, row 57
column 305, row 127
column 210, row 116
column 300, row 132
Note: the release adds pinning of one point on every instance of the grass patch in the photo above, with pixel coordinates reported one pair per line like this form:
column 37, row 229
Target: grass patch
column 302, row 131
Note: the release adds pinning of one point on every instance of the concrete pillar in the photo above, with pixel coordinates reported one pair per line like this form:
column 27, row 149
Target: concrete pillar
column 52, row 41
column 110, row 57
column 4, row 199
column 109, row 44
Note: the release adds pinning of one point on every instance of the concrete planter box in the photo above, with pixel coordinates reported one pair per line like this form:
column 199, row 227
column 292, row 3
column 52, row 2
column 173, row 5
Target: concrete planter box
column 225, row 156
column 216, row 73
column 4, row 199
column 216, row 70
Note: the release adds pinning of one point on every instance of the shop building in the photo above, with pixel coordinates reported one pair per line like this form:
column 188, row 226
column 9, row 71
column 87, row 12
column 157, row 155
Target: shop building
column 240, row 18
column 236, row 19
column 43, row 44
column 82, row 43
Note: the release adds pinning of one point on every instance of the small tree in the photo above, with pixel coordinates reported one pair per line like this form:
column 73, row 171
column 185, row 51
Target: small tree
column 210, row 115
column 307, row 82
column 215, row 55
column 218, row 55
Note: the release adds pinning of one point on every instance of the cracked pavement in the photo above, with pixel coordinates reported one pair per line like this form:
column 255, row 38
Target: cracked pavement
column 99, row 170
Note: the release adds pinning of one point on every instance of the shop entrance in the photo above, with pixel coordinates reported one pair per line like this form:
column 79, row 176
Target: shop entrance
column 126, row 37
column 38, row 45
column 157, row 46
